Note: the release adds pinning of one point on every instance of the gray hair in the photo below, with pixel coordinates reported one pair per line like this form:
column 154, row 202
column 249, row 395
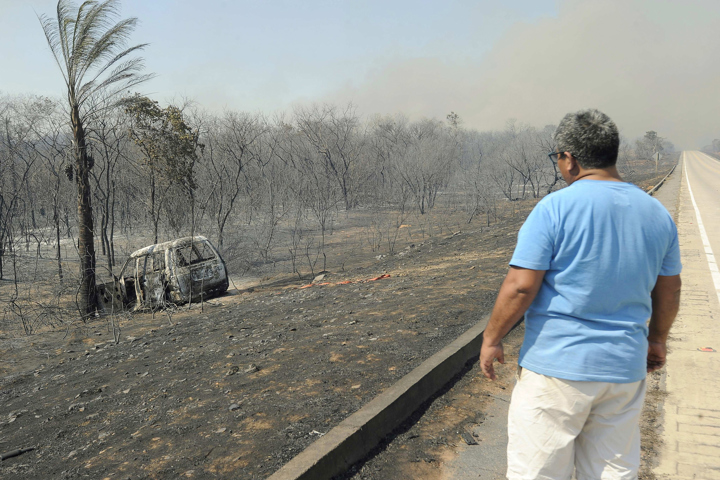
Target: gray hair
column 590, row 136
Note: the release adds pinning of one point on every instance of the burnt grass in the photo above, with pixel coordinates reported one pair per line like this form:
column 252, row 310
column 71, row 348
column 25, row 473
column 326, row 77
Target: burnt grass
column 239, row 386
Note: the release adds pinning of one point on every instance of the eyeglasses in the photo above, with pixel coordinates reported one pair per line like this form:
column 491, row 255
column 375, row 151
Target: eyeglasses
column 557, row 156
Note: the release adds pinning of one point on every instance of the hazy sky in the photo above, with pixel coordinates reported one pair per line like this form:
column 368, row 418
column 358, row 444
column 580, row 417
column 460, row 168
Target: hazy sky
column 649, row 64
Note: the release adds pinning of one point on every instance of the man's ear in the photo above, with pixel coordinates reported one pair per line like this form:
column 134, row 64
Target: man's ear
column 573, row 165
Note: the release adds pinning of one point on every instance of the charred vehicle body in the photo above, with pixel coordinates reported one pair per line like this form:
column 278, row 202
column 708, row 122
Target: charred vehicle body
column 185, row 270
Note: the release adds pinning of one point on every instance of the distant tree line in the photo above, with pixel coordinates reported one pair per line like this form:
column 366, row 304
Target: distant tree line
column 713, row 148
column 178, row 171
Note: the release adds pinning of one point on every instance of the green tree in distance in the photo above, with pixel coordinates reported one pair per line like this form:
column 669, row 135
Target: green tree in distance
column 169, row 146
column 89, row 47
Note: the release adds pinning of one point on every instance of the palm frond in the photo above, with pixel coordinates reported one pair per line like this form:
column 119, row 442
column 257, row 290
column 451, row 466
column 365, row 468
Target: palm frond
column 111, row 95
column 104, row 49
column 98, row 18
column 121, row 72
column 75, row 39
column 116, row 59
column 89, row 40
column 53, row 40
column 115, row 98
column 63, row 18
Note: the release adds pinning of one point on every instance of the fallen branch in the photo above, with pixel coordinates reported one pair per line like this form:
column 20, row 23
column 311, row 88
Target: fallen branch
column 16, row 453
column 346, row 282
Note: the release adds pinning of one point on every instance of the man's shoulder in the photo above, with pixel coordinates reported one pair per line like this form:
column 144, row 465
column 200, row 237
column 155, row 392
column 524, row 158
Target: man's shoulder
column 563, row 195
column 576, row 199
column 596, row 190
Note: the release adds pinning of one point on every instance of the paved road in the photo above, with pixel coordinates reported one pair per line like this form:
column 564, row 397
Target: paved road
column 691, row 426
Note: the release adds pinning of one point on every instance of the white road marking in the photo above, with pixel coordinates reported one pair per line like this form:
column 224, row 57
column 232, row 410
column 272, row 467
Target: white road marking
column 706, row 242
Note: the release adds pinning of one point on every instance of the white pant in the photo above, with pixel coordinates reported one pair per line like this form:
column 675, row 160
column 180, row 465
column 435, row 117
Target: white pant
column 555, row 425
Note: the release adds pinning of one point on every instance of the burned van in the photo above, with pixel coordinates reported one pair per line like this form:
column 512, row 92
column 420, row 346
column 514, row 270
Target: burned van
column 185, row 270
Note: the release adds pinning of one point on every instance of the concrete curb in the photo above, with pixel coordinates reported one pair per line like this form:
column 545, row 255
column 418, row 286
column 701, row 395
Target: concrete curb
column 357, row 435
column 656, row 187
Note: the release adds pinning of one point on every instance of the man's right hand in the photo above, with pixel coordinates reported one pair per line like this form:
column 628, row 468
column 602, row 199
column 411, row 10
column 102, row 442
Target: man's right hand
column 657, row 352
column 488, row 354
column 517, row 292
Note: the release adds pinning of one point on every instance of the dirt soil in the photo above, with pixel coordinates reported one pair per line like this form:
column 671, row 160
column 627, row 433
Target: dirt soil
column 239, row 387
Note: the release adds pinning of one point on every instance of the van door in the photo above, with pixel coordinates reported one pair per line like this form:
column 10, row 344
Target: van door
column 151, row 279
column 197, row 269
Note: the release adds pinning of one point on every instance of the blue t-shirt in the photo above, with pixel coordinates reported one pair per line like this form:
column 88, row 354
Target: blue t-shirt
column 603, row 245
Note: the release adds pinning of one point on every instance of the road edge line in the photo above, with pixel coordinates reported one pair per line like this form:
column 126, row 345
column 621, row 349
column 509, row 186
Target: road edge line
column 351, row 441
column 709, row 256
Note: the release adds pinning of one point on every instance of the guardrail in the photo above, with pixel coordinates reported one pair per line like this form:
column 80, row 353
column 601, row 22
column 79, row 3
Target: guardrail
column 656, row 187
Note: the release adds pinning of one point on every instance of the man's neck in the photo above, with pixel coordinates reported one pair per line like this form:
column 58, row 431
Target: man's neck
column 609, row 174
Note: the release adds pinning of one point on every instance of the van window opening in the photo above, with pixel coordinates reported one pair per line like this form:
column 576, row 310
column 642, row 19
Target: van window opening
column 196, row 253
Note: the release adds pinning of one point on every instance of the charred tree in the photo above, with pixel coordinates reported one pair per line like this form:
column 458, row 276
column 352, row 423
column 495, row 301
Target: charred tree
column 89, row 48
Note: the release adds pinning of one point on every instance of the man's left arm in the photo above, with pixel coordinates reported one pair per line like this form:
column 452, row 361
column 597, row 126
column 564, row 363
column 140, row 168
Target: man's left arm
column 665, row 305
column 517, row 292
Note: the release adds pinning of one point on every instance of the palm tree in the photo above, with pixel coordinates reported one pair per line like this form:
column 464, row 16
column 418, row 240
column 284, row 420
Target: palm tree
column 90, row 49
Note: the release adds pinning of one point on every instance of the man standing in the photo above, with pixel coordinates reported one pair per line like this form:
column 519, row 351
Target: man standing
column 592, row 263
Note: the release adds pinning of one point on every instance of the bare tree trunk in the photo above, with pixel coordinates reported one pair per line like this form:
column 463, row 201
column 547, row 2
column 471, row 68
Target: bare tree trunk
column 155, row 217
column 106, row 216
column 103, row 245
column 56, row 220
column 2, row 238
column 192, row 210
column 112, row 227
column 87, row 297
column 106, row 240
